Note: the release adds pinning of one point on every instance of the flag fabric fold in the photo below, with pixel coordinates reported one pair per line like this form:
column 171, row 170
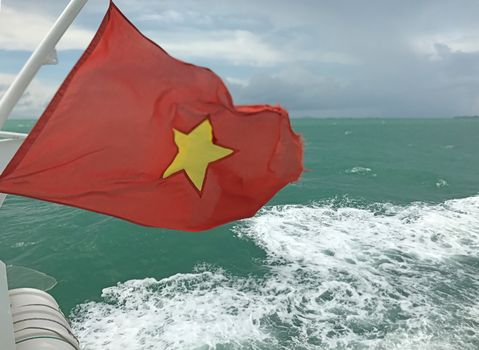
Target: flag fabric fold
column 137, row 134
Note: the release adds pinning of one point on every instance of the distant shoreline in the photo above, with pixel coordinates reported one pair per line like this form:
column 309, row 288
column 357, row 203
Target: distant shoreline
column 466, row 117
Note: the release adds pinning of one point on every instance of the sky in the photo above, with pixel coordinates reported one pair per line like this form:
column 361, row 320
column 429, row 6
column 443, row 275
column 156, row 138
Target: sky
column 317, row 58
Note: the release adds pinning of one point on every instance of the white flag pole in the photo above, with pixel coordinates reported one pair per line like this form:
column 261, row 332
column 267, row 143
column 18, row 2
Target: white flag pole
column 37, row 59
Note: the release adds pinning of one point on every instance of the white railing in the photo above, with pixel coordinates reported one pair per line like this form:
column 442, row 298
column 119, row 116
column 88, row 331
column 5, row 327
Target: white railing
column 12, row 135
column 10, row 141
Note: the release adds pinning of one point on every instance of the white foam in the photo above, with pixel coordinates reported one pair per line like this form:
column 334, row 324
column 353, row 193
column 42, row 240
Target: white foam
column 381, row 277
column 441, row 183
column 358, row 170
column 184, row 311
column 23, row 244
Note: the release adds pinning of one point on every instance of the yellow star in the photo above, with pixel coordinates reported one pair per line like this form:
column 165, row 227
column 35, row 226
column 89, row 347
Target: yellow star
column 196, row 151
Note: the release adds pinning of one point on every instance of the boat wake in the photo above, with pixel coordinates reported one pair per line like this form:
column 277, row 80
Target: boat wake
column 339, row 277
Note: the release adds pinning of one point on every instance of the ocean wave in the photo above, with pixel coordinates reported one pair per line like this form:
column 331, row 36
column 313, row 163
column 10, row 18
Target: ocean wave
column 339, row 277
column 441, row 183
column 360, row 170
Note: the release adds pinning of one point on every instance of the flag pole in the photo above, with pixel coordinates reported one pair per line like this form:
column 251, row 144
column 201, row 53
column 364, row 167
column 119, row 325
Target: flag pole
column 37, row 59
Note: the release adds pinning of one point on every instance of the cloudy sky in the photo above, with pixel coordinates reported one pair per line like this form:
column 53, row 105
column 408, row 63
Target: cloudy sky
column 321, row 58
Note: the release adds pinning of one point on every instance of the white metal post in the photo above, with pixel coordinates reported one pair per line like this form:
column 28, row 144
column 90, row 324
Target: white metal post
column 7, row 339
column 7, row 103
column 37, row 59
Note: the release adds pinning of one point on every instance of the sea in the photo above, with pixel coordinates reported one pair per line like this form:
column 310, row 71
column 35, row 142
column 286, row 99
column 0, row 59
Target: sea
column 375, row 247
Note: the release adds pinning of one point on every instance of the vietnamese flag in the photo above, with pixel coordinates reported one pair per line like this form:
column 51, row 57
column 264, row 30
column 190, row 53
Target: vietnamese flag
column 137, row 134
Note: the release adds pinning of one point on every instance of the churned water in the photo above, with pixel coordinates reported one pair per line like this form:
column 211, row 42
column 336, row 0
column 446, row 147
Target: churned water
column 377, row 247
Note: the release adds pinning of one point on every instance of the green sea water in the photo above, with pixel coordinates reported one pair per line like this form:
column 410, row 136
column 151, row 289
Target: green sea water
column 376, row 247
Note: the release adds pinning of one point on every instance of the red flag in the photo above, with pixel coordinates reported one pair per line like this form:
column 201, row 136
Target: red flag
column 137, row 134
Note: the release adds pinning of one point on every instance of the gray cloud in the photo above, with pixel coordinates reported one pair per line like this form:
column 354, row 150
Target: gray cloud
column 320, row 58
